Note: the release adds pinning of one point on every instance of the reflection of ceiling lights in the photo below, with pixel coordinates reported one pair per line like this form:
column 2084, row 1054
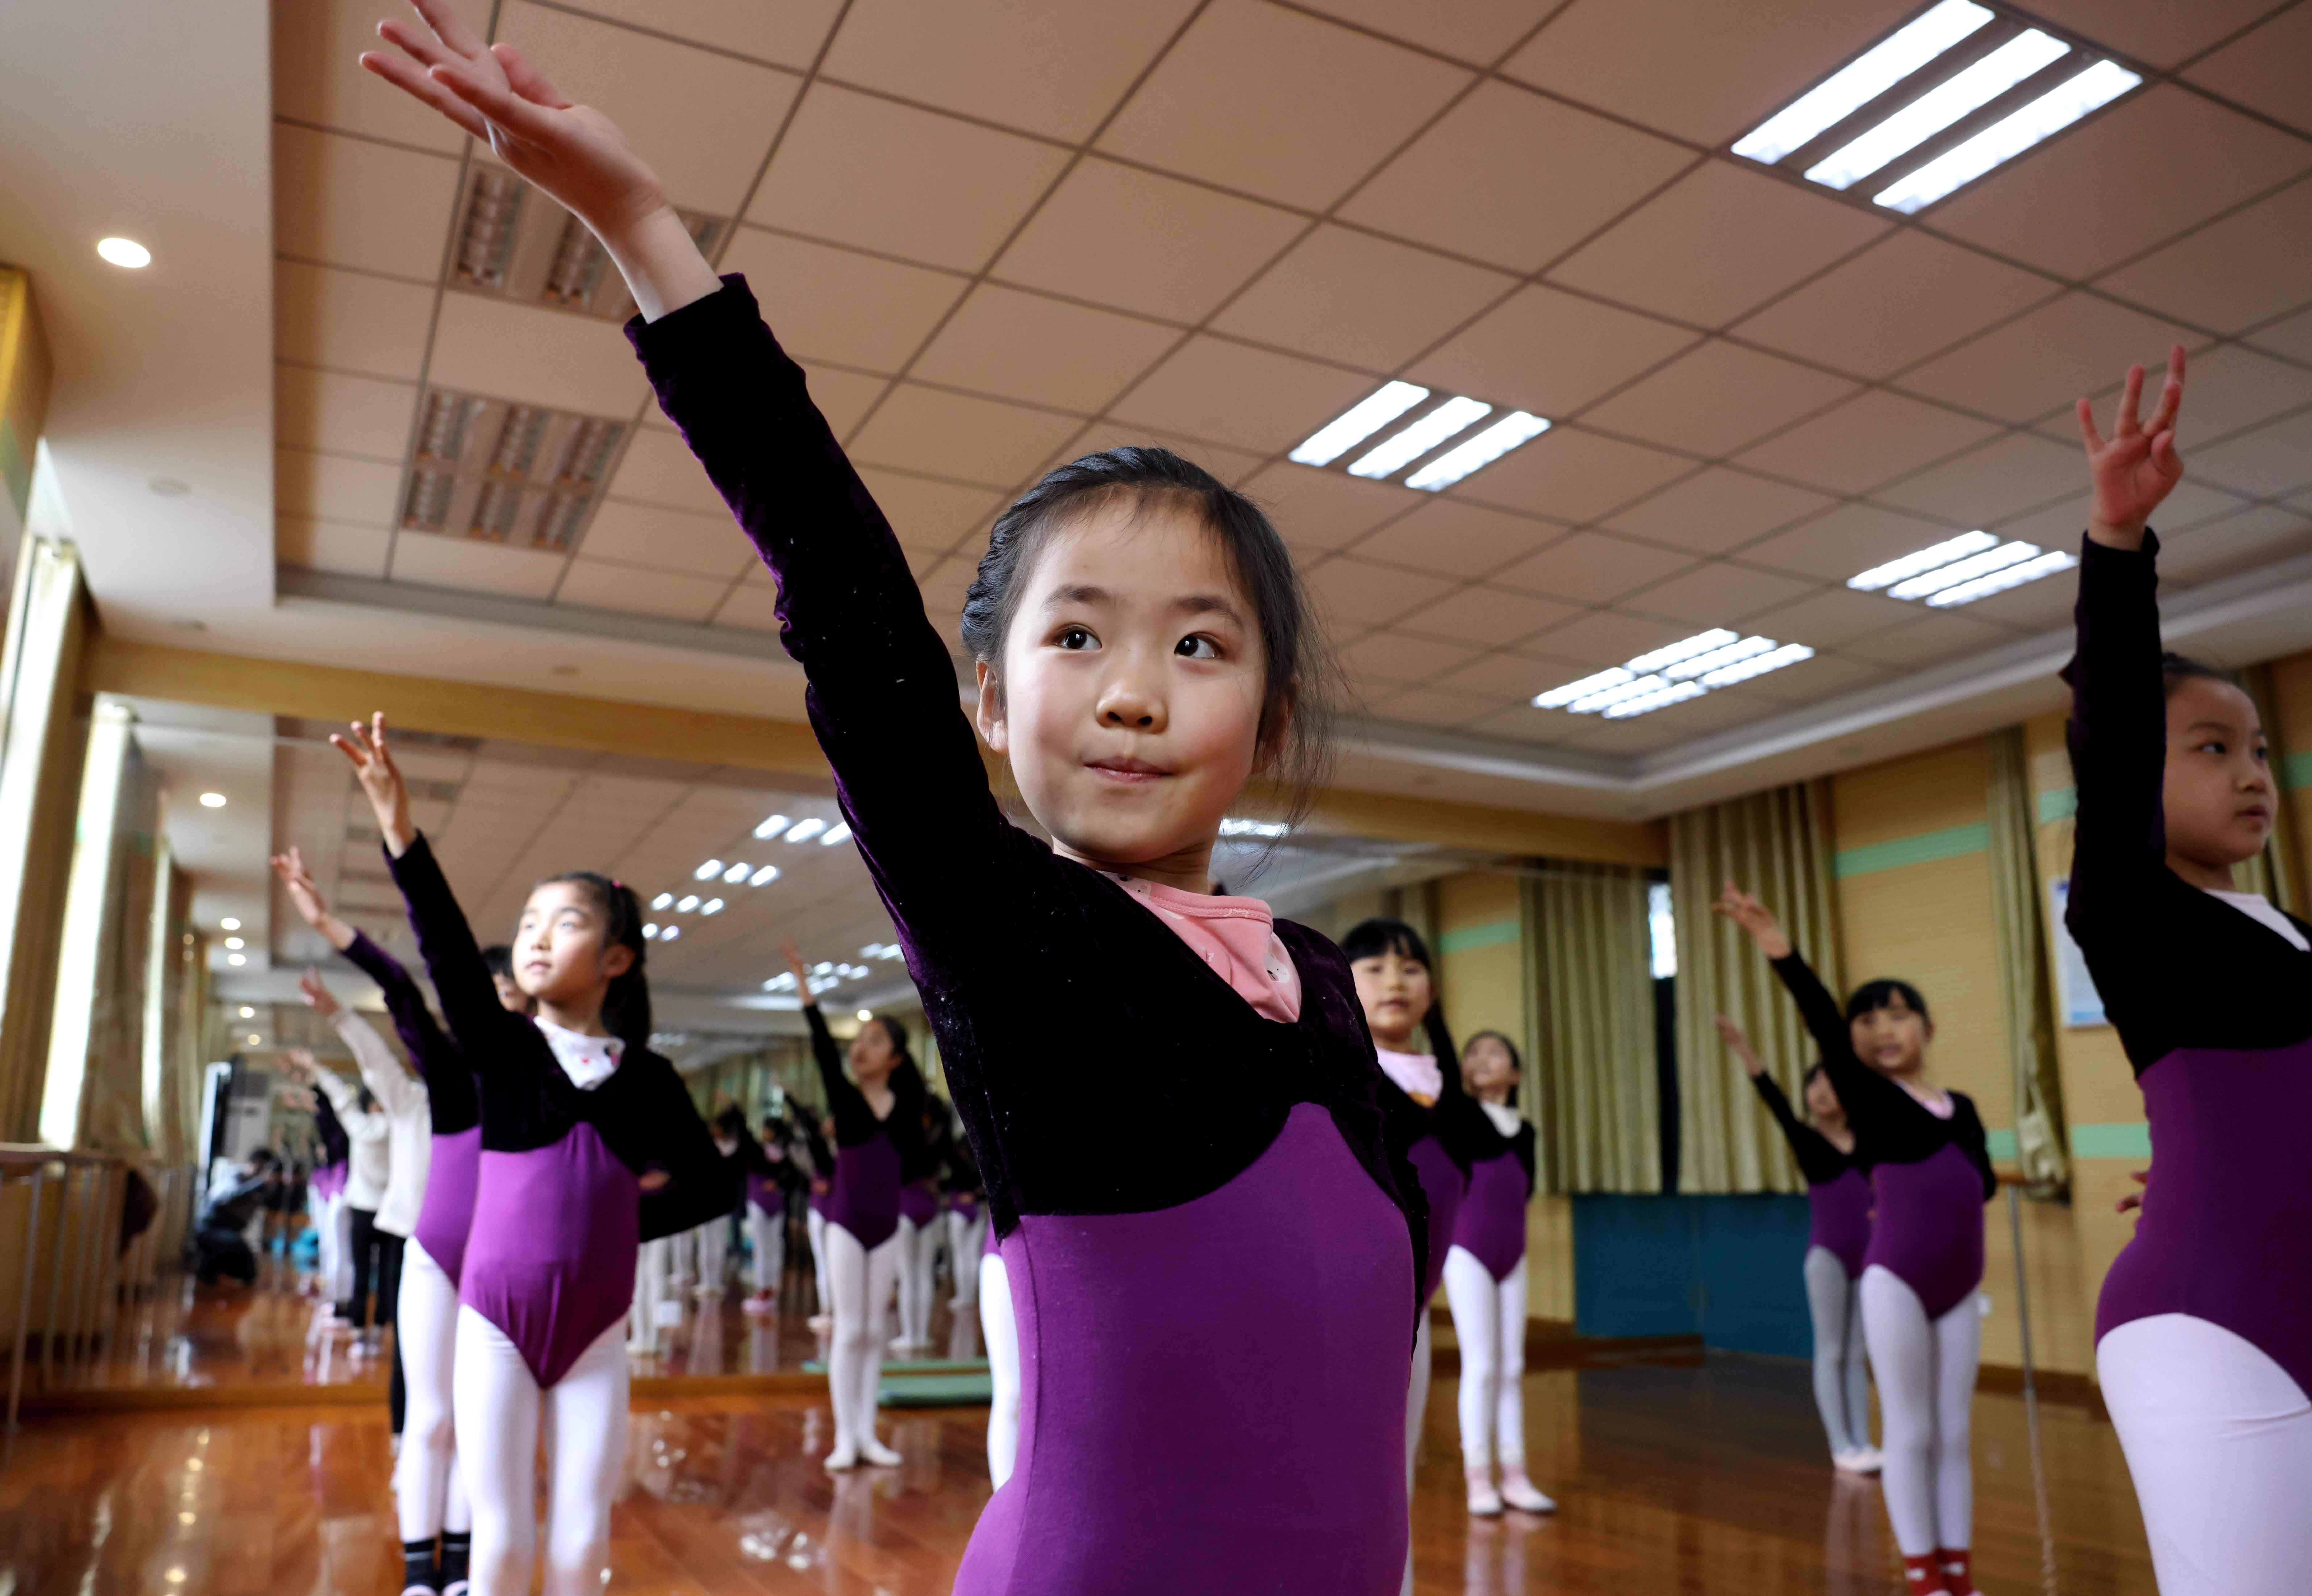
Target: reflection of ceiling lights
column 1237, row 827
column 1428, row 429
column 1961, row 570
column 1682, row 670
column 1937, row 103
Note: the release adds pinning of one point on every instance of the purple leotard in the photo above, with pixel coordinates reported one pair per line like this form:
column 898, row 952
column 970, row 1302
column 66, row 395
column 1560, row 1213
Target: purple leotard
column 918, row 1205
column 1491, row 1224
column 864, row 1194
column 1219, row 1288
column 1838, row 1190
column 2214, row 1009
column 558, row 1211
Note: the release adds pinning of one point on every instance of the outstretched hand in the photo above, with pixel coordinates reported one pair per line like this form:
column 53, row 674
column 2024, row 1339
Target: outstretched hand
column 1745, row 910
column 1738, row 1045
column 380, row 780
column 801, row 972
column 318, row 997
column 311, row 907
column 2137, row 466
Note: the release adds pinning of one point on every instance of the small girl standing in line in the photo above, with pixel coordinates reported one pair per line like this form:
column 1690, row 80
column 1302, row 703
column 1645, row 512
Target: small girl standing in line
column 1922, row 1315
column 1220, row 1330
column 1484, row 1283
column 1838, row 1234
column 575, row 1110
column 2204, row 1332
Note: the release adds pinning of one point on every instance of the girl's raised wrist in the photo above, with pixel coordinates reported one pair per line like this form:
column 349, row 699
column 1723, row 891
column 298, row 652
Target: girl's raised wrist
column 2117, row 535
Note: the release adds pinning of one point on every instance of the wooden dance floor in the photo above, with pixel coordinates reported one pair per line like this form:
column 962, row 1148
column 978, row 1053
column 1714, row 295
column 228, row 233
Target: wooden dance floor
column 1705, row 1477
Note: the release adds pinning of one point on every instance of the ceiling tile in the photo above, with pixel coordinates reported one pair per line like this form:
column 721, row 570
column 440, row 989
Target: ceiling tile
column 1573, row 475
column 1705, row 72
column 2043, row 605
column 357, row 416
column 1872, row 438
column 1639, row 735
column 1592, row 567
column 2003, row 478
column 2228, row 388
column 1832, row 617
column 629, row 589
column 1369, row 302
column 1233, row 394
column 2291, row 336
column 335, row 488
column 789, row 33
column 831, row 304
column 667, row 540
column 2187, row 158
column 1048, row 67
column 1278, row 104
column 1715, row 511
column 1473, row 31
column 1934, row 636
column 317, row 77
column 327, row 545
column 2253, row 537
column 1719, row 594
column 1426, row 706
column 930, row 187
column 1144, row 241
column 2270, row 462
column 658, row 468
column 706, row 117
column 1847, row 319
column 1045, row 351
column 954, row 435
column 2231, row 274
column 1458, row 538
column 1515, row 676
column 1548, row 352
column 2266, row 67
column 349, row 322
column 750, row 608
column 931, row 515
column 2062, row 523
column 1720, row 241
column 1844, row 540
column 2045, row 358
column 1349, row 591
column 533, row 355
column 471, row 563
column 1603, row 637
column 1393, row 658
column 2162, row 35
column 1717, row 399
column 1327, row 509
column 1508, row 176
column 349, row 201
column 843, row 398
column 1492, row 616
column 1235, row 466
column 1812, row 681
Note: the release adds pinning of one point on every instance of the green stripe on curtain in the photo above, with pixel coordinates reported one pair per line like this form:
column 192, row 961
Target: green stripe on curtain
column 2000, row 1144
column 1491, row 934
column 2058, row 803
column 1922, row 849
column 2296, row 770
column 2112, row 1141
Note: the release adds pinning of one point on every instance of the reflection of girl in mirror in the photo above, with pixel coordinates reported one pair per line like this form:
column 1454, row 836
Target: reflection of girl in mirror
column 2204, row 1328
column 1223, row 1328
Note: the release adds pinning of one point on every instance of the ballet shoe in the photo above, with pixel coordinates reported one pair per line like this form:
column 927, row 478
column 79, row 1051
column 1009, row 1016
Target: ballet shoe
column 1484, row 1501
column 821, row 1321
column 760, row 1302
column 1854, row 1459
column 872, row 1451
column 844, row 1458
column 1869, row 1460
column 458, row 1587
column 1518, row 1492
column 1958, row 1570
column 1923, row 1576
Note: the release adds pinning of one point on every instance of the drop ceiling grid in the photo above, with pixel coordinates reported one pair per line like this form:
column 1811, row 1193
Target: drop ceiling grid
column 965, row 546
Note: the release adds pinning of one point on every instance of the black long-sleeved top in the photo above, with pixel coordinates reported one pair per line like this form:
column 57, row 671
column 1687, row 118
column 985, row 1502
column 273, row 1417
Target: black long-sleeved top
column 2175, row 966
column 452, row 1098
column 1890, row 1125
column 643, row 1113
column 1820, row 1160
column 337, row 1146
column 855, row 1122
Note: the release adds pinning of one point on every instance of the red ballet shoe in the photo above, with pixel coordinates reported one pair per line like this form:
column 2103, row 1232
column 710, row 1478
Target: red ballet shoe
column 1958, row 1570
column 1923, row 1575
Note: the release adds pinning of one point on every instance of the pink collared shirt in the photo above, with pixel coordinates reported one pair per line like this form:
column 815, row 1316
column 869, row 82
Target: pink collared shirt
column 1237, row 936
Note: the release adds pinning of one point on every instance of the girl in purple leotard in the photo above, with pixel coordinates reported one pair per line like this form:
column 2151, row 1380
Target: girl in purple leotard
column 1921, row 1316
column 2204, row 1326
column 1838, row 1234
column 1220, row 1331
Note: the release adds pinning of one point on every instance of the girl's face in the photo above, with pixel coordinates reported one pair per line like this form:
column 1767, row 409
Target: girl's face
column 1129, row 694
column 1487, row 1069
column 511, row 996
column 558, row 952
column 2218, row 793
column 1822, row 1098
column 873, row 1056
column 1395, row 993
column 1892, row 1039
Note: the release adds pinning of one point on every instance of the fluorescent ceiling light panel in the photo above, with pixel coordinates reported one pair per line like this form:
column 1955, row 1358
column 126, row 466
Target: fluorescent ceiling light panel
column 1701, row 642
column 1673, row 674
column 1999, row 582
column 686, row 904
column 771, row 827
column 1963, row 570
column 662, row 901
column 1557, row 698
column 649, row 930
column 670, row 934
column 736, row 873
column 1701, row 665
column 1662, row 697
column 1515, row 428
column 1757, row 665
column 804, row 829
column 764, row 876
column 1606, row 698
column 2009, row 137
column 1360, row 421
column 708, row 871
column 1961, row 94
column 1393, row 454
column 1855, row 86
column 1926, row 558
column 712, row 906
column 840, row 832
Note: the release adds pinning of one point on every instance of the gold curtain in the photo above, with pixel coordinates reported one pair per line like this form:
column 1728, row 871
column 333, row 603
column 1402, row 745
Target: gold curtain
column 2018, row 910
column 1778, row 845
column 1590, row 1005
column 2278, row 872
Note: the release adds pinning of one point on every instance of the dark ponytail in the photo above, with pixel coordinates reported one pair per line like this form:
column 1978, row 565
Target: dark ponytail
column 627, row 1006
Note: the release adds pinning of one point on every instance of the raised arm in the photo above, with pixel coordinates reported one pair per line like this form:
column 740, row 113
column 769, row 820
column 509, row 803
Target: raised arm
column 421, row 1033
column 469, row 998
column 298, row 883
column 392, row 1085
column 360, row 1124
column 853, row 1119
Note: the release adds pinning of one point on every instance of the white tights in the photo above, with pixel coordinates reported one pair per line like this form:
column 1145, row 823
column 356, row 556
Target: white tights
column 1002, row 1333
column 1926, row 1370
column 815, row 1228
column 429, row 1494
column 1417, row 1411
column 767, row 1239
column 651, row 1263
column 965, row 1237
column 1841, row 1383
column 861, row 1279
column 918, row 1252
column 501, row 1415
column 2218, row 1438
column 1489, row 1323
column 714, row 1248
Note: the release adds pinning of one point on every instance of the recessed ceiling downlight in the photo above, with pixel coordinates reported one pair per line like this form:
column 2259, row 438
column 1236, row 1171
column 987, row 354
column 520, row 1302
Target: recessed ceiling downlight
column 125, row 252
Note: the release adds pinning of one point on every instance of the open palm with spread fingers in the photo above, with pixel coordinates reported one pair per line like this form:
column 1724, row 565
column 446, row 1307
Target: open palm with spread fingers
column 380, row 779
column 1745, row 910
column 2136, row 466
